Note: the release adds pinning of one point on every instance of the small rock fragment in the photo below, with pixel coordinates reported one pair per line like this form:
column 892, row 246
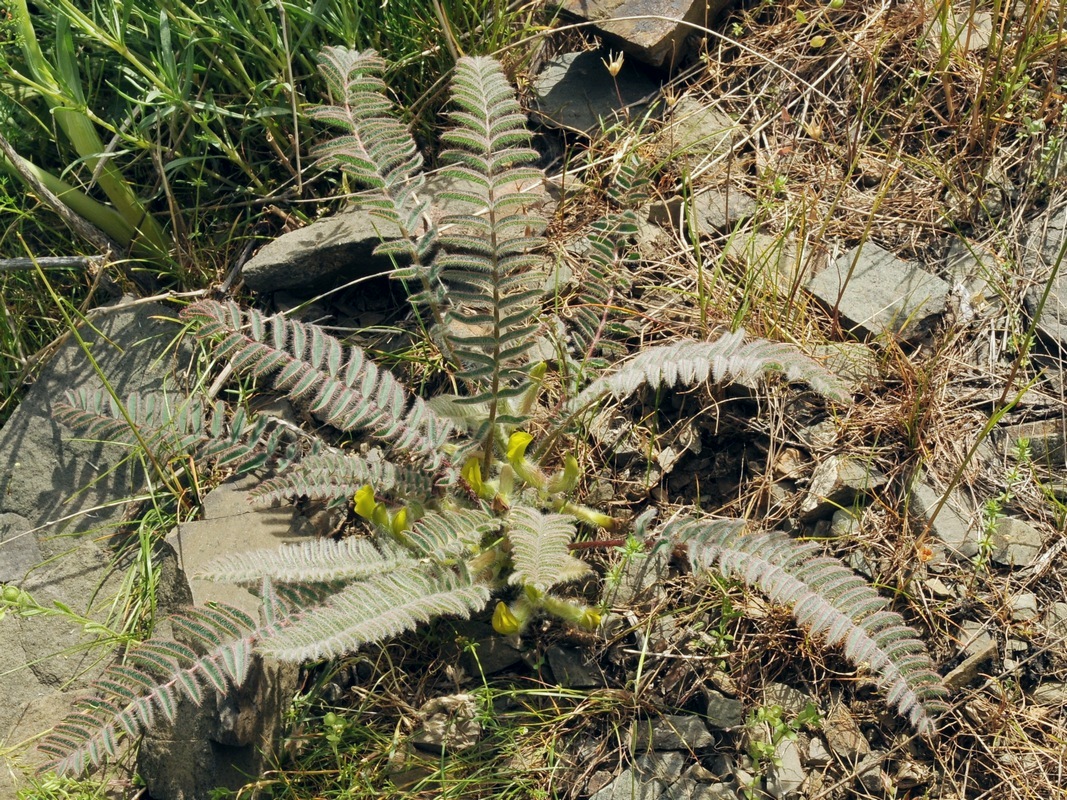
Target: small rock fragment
column 1044, row 247
column 724, row 713
column 1016, row 543
column 967, row 670
column 786, row 773
column 949, row 526
column 871, row 776
column 836, row 483
column 974, row 637
column 791, row 699
column 570, row 669
column 843, row 735
column 1050, row 693
column 818, row 755
column 670, row 732
column 1046, row 439
column 875, row 293
column 631, row 786
column 666, row 766
column 1024, row 606
column 576, row 91
column 653, row 32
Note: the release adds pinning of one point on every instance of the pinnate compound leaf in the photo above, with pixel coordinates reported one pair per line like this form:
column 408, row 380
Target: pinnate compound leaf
column 729, row 359
column 540, row 548
column 830, row 600
column 372, row 610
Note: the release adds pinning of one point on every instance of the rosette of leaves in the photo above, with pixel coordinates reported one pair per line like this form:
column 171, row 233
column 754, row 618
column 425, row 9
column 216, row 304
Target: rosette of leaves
column 456, row 509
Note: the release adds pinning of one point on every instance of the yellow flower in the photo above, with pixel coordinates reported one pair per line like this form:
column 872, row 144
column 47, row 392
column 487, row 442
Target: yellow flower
column 590, row 619
column 399, row 523
column 365, row 502
column 472, row 474
column 567, row 479
column 504, row 622
column 517, row 445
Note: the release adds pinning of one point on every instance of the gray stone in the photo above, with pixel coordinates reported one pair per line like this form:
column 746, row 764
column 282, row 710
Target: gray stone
column 786, row 773
column 61, row 498
column 820, row 436
column 653, row 31
column 875, row 293
column 19, row 551
column 870, row 775
column 1050, row 693
column 967, row 670
column 1045, row 247
column 325, row 254
column 1016, row 543
column 844, row 524
column 576, row 91
column 939, row 589
column 571, row 669
column 492, row 653
column 694, row 790
column 791, row 699
column 965, row 30
column 225, row 742
column 1047, row 440
column 721, row 209
column 670, row 732
column 843, row 735
column 769, row 262
column 955, row 534
column 818, row 755
column 974, row 267
column 227, row 511
column 698, row 132
column 631, row 786
column 836, row 483
column 974, row 637
column 233, row 736
column 1056, row 619
column 640, row 574
column 666, row 766
column 718, row 209
column 724, row 713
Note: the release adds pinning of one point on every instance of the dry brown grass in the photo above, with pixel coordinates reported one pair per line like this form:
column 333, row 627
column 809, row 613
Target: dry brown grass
column 897, row 129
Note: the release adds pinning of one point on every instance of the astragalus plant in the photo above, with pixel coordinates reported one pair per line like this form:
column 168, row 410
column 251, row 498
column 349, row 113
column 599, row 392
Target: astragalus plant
column 457, row 509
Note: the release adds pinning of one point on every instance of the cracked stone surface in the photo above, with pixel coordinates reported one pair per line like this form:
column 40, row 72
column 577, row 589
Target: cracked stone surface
column 877, row 294
column 57, row 497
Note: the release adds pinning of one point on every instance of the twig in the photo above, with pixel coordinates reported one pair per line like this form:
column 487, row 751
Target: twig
column 49, row 262
column 81, row 226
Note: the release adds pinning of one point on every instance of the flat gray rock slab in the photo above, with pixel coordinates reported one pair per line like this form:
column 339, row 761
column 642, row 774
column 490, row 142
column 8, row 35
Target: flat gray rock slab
column 60, row 499
column 576, row 91
column 1016, row 543
column 1044, row 260
column 19, row 550
column 954, row 534
column 700, row 133
column 323, row 255
column 836, row 483
column 652, row 30
column 877, row 294
column 670, row 732
column 231, row 526
column 631, row 786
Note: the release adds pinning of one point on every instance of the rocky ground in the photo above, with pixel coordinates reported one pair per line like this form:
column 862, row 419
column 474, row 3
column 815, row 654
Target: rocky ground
column 883, row 226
